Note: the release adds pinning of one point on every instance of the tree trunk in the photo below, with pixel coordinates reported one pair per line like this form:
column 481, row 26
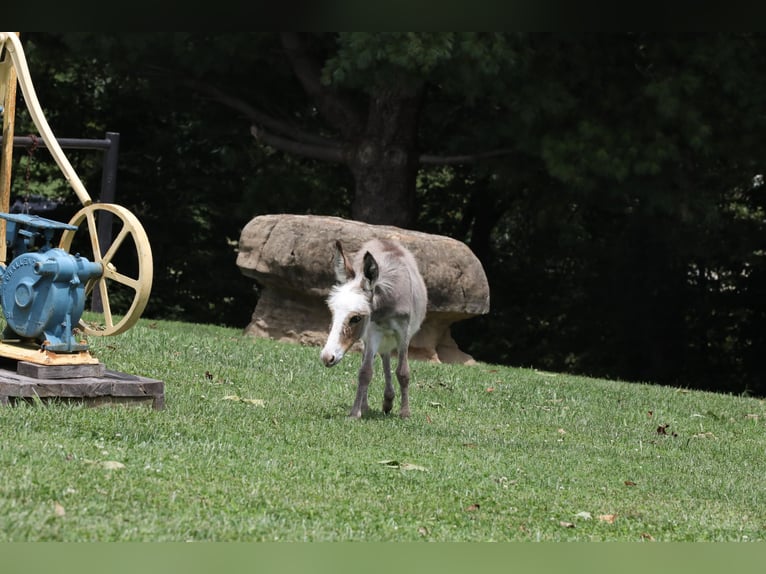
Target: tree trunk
column 384, row 161
column 385, row 184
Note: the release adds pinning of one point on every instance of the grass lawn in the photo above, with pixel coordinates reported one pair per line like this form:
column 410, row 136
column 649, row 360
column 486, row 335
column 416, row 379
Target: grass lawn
column 254, row 445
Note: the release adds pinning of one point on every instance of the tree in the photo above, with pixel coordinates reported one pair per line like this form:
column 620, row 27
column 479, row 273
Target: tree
column 636, row 251
column 371, row 91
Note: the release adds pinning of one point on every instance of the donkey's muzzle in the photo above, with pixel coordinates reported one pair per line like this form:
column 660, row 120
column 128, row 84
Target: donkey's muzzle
column 331, row 359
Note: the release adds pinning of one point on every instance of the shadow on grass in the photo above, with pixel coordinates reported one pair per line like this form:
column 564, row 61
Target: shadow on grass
column 340, row 411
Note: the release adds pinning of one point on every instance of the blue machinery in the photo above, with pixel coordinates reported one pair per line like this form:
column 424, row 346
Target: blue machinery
column 42, row 291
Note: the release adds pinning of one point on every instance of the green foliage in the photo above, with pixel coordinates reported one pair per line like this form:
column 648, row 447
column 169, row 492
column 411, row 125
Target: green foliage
column 38, row 178
column 620, row 248
column 254, row 445
column 461, row 62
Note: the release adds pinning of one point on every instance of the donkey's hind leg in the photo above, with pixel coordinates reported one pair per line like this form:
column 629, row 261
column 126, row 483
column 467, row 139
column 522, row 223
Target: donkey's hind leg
column 388, row 393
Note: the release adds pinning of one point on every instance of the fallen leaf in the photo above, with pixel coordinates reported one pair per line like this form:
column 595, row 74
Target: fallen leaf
column 490, row 389
column 112, row 465
column 473, row 508
column 237, row 398
column 562, row 432
column 630, row 483
column 566, row 524
column 58, row 509
column 647, row 536
column 256, row 402
column 608, row 518
column 402, row 465
column 428, row 419
column 584, row 515
column 503, row 480
column 410, row 466
column 423, row 531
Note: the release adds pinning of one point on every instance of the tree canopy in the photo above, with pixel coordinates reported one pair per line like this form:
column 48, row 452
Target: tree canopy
column 611, row 184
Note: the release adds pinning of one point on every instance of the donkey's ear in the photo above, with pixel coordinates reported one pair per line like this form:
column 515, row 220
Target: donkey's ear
column 341, row 265
column 370, row 268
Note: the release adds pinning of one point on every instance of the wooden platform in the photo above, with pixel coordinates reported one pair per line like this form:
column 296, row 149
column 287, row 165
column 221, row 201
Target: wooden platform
column 91, row 384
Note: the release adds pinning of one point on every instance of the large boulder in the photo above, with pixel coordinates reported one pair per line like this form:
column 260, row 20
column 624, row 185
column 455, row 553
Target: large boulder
column 290, row 258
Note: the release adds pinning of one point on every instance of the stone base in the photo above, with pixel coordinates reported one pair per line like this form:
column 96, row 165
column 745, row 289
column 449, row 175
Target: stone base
column 290, row 258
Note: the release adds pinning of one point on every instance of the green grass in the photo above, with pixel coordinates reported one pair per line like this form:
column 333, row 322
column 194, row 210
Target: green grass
column 490, row 454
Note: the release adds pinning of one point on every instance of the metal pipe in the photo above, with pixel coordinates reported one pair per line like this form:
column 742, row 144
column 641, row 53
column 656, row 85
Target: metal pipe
column 70, row 143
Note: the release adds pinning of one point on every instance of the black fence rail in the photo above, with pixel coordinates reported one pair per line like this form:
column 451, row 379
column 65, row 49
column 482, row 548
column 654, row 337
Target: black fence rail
column 110, row 145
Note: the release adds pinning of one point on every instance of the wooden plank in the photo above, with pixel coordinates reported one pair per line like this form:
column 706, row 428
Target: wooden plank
column 36, row 371
column 8, row 78
column 34, row 354
column 113, row 387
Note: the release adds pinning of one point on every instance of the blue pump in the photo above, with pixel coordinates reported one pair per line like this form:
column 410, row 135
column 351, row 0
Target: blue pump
column 42, row 290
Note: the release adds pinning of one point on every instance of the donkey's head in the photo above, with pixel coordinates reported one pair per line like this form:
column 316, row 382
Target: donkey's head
column 350, row 303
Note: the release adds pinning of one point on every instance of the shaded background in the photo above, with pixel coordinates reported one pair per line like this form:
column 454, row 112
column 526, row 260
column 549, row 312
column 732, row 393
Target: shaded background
column 611, row 185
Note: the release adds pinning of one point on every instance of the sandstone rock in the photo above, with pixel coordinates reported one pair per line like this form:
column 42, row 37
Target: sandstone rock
column 290, row 258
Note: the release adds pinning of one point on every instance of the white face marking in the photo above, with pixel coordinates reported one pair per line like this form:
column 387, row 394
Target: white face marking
column 350, row 313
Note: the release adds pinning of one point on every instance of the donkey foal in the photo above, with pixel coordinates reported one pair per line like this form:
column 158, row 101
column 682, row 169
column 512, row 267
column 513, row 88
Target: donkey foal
column 381, row 299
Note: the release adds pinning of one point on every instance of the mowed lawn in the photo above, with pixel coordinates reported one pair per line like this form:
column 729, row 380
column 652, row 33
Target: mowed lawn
column 254, row 445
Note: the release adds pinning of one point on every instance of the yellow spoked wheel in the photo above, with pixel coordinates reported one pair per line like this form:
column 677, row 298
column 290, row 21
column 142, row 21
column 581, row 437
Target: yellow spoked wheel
column 129, row 248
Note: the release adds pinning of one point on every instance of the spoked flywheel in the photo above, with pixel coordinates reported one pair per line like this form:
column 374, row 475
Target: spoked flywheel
column 126, row 280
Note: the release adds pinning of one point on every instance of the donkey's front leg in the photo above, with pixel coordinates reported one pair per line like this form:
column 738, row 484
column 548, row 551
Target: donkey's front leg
column 403, row 375
column 388, row 393
column 365, row 374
